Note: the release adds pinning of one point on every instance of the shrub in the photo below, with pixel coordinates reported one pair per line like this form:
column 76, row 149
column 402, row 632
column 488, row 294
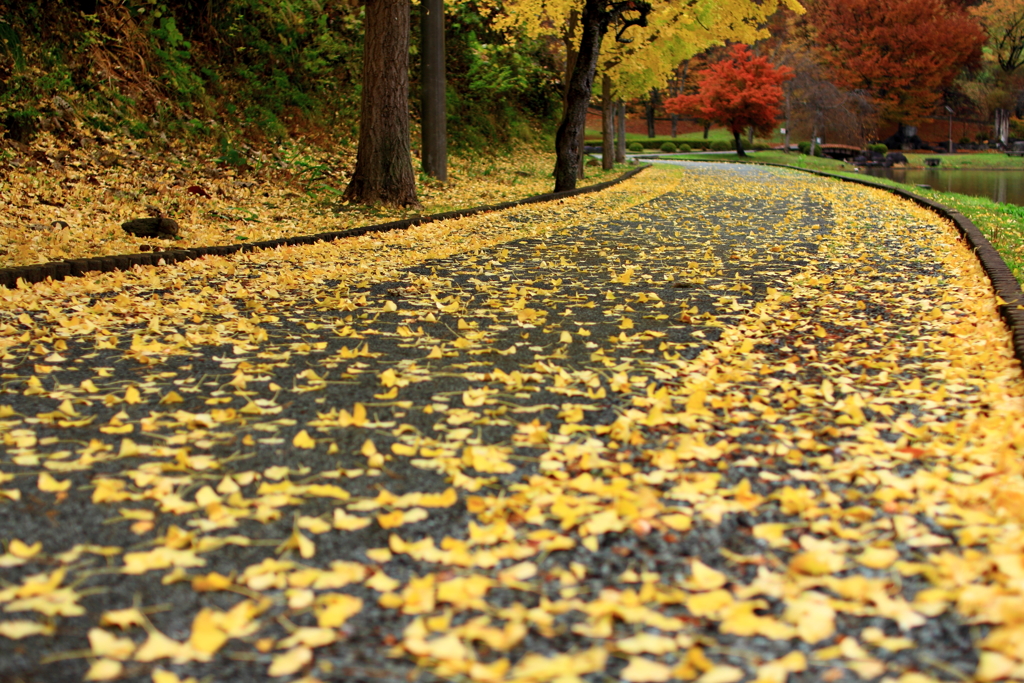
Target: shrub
column 720, row 146
column 880, row 148
column 760, row 146
column 1017, row 128
column 668, row 147
column 684, row 148
column 805, row 148
column 635, row 147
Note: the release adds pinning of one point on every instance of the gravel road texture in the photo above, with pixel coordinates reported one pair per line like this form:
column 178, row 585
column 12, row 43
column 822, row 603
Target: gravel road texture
column 718, row 423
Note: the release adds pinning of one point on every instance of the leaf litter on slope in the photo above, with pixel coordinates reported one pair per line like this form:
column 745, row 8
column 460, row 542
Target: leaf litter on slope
column 716, row 424
column 65, row 201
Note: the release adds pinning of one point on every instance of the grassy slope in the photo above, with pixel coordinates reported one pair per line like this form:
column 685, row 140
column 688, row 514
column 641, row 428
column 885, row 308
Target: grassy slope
column 978, row 161
column 714, row 134
column 1003, row 224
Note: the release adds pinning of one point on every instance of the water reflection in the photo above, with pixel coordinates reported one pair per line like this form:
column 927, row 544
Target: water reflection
column 999, row 186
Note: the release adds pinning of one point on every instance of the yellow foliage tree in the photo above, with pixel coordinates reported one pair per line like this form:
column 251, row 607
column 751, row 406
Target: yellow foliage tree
column 651, row 39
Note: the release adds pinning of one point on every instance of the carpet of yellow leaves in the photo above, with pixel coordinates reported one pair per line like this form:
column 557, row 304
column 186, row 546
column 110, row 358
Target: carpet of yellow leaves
column 825, row 466
column 289, row 192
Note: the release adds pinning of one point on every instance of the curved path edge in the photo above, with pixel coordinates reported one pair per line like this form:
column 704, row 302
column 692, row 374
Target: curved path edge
column 1006, row 286
column 58, row 270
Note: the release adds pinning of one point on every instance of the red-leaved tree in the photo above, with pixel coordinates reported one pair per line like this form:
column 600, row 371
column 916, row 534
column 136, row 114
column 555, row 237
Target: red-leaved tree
column 903, row 53
column 740, row 91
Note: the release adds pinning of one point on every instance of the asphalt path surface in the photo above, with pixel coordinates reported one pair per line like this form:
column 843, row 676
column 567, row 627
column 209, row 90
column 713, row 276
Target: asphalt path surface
column 697, row 351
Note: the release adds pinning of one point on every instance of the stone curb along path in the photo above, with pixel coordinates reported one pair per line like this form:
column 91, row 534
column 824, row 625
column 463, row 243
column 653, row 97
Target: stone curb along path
column 58, row 270
column 1006, row 286
column 1004, row 283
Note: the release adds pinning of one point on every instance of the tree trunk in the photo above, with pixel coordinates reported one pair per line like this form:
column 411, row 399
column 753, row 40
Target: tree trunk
column 750, row 136
column 383, row 171
column 568, row 147
column 569, row 40
column 652, row 102
column 581, row 168
column 739, row 144
column 707, row 128
column 785, row 137
column 613, row 116
column 607, row 125
column 620, row 124
column 1002, row 132
column 675, row 87
column 434, row 119
column 814, row 137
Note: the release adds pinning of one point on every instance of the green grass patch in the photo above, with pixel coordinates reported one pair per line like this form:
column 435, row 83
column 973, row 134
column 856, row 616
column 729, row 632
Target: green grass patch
column 771, row 157
column 979, row 161
column 593, row 137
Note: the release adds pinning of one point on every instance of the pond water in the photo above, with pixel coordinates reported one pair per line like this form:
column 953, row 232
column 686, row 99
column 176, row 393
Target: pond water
column 999, row 186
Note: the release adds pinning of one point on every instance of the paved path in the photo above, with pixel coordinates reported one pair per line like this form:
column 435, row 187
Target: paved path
column 725, row 422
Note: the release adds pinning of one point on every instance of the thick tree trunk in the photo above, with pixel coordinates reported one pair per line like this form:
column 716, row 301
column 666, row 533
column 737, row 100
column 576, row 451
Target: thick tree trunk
column 571, row 54
column 581, row 168
column 434, row 118
column 620, row 125
column 568, row 140
column 383, row 171
column 739, row 144
column 1002, row 127
column 607, row 124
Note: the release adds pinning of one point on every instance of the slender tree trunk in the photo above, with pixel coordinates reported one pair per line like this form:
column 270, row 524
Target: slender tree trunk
column 620, row 124
column 568, row 140
column 707, row 128
column 785, row 138
column 607, row 124
column 652, row 102
column 750, row 136
column 434, row 119
column 383, row 171
column 614, row 116
column 814, row 136
column 739, row 144
column 675, row 87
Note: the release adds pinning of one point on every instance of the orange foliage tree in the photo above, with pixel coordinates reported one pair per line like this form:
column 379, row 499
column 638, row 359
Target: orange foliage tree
column 903, row 53
column 739, row 91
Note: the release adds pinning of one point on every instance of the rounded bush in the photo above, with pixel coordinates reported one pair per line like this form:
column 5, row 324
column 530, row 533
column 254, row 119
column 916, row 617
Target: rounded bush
column 880, row 148
column 720, row 146
column 668, row 147
column 684, row 148
column 635, row 147
column 760, row 146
